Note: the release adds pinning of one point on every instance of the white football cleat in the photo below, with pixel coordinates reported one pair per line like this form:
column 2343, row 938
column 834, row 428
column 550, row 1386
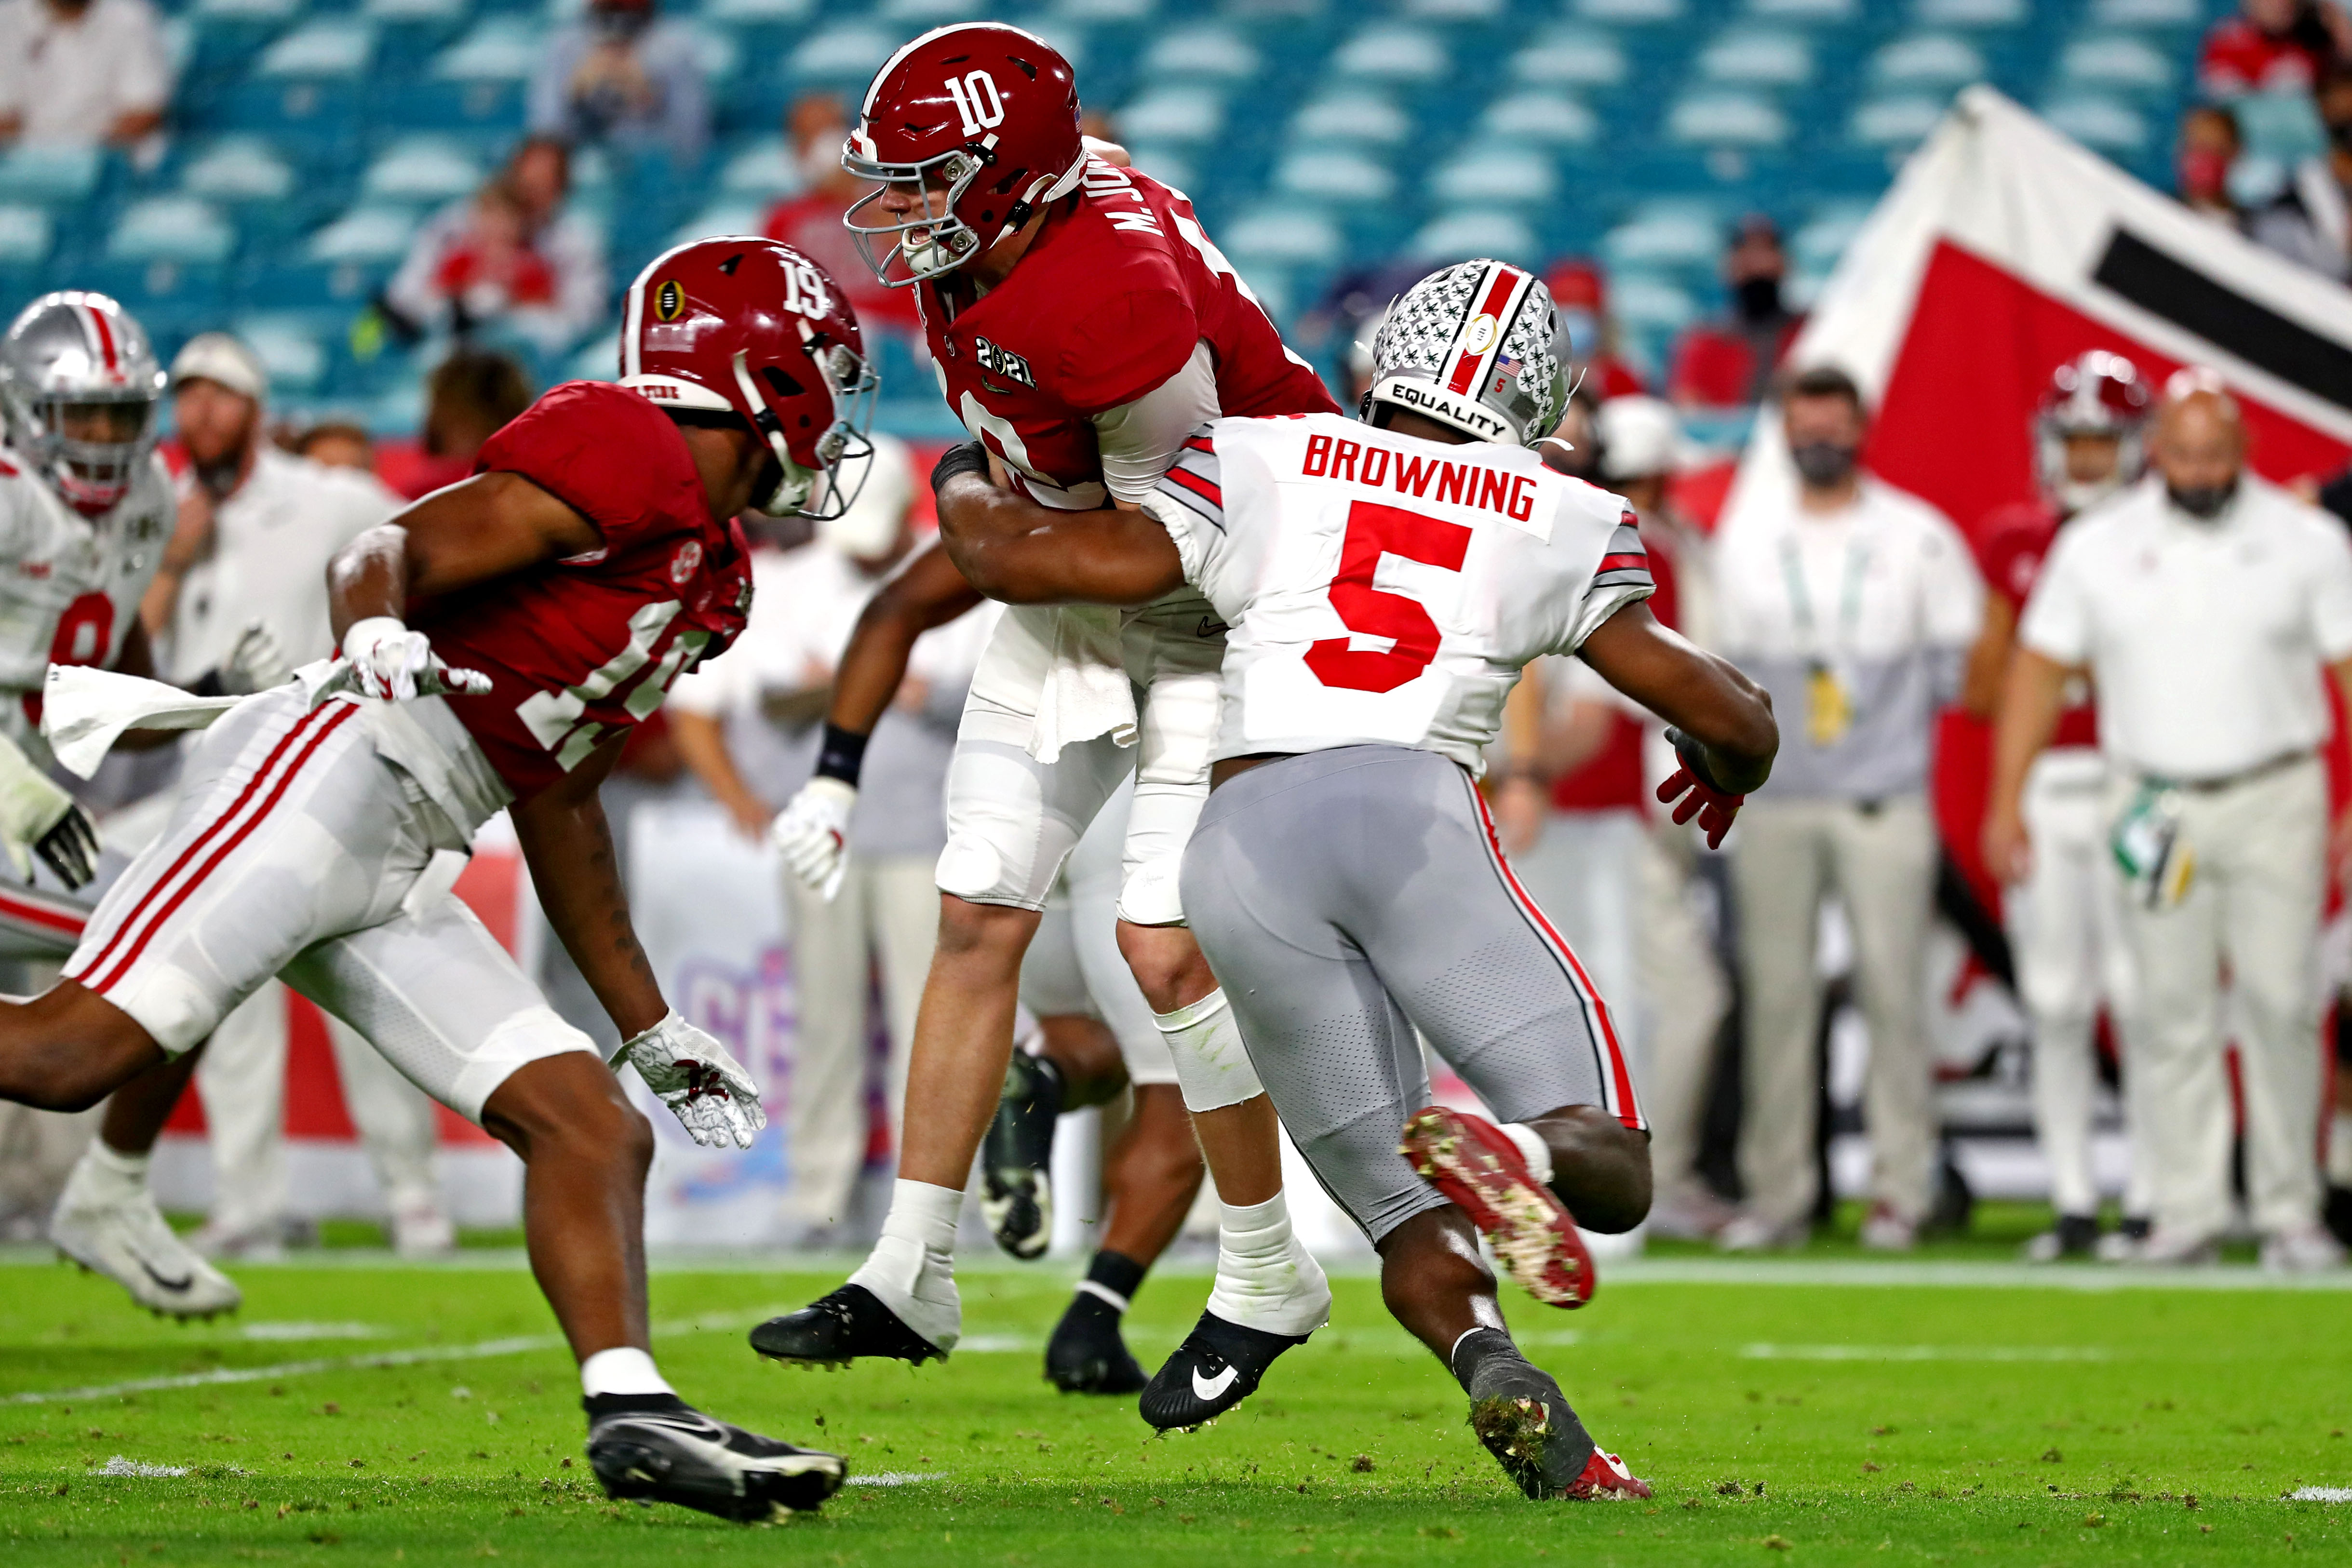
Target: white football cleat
column 128, row 1242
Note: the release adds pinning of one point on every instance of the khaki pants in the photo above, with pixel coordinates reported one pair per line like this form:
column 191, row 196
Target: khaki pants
column 2253, row 905
column 1881, row 863
column 1683, row 996
column 888, row 911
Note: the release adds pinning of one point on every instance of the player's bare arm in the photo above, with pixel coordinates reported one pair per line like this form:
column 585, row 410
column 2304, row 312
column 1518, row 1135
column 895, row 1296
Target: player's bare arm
column 487, row 526
column 568, row 845
column 1706, row 698
column 2031, row 699
column 1988, row 665
column 1011, row 549
column 926, row 593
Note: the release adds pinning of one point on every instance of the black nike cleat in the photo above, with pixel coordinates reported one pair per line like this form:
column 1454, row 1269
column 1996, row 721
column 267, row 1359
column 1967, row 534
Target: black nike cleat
column 1519, row 1413
column 684, row 1457
column 1217, row 1366
column 835, row 1330
column 1087, row 1354
column 1016, row 1157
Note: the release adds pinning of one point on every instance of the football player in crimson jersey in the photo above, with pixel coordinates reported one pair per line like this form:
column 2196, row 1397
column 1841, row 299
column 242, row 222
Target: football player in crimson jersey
column 1345, row 879
column 2070, row 956
column 500, row 640
column 1082, row 325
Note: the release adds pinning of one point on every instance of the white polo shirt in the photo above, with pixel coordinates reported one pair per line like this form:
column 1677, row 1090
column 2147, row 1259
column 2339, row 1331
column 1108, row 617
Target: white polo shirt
column 2207, row 641
column 1884, row 595
column 271, row 542
column 71, row 79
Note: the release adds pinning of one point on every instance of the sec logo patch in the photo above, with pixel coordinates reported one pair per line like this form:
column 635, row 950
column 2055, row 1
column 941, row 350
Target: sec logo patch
column 682, row 565
column 670, row 301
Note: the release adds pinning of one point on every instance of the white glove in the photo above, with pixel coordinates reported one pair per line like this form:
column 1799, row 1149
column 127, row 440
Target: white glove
column 689, row 1072
column 812, row 833
column 37, row 816
column 392, row 664
column 255, row 663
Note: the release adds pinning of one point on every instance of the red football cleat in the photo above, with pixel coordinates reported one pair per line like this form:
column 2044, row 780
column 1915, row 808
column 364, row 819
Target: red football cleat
column 1480, row 1170
column 1606, row 1479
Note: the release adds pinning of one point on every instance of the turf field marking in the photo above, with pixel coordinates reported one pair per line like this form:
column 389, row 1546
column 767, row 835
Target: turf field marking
column 519, row 1345
column 2320, row 1494
column 895, row 1479
column 123, row 1465
column 295, row 1332
column 1925, row 1352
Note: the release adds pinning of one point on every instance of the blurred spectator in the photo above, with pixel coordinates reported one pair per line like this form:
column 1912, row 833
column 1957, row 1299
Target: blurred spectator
column 337, row 443
column 467, row 398
column 81, row 71
column 2206, row 151
column 2272, row 45
column 2311, row 221
column 817, row 125
column 1588, row 333
column 509, row 256
column 240, row 598
column 2207, row 607
column 1341, row 323
column 1854, row 605
column 1732, row 360
column 621, row 75
column 749, row 723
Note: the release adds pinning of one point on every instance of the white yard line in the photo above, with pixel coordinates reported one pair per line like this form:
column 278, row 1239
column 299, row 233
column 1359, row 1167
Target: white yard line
column 1925, row 1352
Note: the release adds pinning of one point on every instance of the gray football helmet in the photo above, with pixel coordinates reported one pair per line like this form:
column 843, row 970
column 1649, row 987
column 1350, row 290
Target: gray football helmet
column 1471, row 346
column 80, row 386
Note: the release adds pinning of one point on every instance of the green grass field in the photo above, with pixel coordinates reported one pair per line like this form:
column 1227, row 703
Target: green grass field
column 1821, row 1411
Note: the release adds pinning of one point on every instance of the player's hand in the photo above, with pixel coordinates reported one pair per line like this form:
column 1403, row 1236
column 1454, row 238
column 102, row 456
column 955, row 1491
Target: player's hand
column 1693, row 793
column 2008, row 848
column 704, row 1086
column 255, row 663
column 37, row 817
column 392, row 664
column 812, row 833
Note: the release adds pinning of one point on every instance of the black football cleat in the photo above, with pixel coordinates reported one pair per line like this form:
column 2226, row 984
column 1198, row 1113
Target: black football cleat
column 684, row 1457
column 1217, row 1366
column 1017, row 1155
column 1520, row 1415
column 835, row 1330
column 1088, row 1355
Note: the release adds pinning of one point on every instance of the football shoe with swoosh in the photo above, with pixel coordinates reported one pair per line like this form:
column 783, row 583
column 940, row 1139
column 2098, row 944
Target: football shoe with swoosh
column 1218, row 1365
column 127, row 1240
column 681, row 1456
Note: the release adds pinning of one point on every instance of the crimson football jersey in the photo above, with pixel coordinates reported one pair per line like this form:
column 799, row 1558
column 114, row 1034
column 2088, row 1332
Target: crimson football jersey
column 1107, row 304
column 2017, row 540
column 580, row 650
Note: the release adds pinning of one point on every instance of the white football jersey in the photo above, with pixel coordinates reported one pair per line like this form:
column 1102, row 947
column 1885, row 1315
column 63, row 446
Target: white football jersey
column 69, row 585
column 1383, row 589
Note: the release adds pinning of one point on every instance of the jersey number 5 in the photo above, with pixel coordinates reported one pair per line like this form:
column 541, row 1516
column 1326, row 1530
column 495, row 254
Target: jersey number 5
column 1373, row 531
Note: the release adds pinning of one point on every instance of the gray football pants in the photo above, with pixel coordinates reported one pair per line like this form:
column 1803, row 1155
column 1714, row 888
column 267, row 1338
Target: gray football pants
column 1344, row 899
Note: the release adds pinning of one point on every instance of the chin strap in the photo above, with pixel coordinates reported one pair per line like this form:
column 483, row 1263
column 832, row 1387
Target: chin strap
column 797, row 482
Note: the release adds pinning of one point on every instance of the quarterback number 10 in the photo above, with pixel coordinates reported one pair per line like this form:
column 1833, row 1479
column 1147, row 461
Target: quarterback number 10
column 1373, row 531
column 978, row 101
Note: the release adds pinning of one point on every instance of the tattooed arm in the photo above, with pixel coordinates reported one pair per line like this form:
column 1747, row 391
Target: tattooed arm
column 569, row 847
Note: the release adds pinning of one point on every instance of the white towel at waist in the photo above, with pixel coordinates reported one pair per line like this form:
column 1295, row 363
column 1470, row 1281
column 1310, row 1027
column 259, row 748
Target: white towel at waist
column 85, row 709
column 1086, row 690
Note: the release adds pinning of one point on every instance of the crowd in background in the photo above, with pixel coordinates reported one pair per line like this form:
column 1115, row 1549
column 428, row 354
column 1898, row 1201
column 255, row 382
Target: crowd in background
column 1860, row 608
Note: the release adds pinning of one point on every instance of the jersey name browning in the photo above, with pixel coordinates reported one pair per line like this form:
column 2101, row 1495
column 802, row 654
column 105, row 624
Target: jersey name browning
column 1419, row 475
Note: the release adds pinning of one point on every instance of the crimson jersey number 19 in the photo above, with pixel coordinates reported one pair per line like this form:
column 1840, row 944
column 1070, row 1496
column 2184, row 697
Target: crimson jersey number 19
column 1374, row 530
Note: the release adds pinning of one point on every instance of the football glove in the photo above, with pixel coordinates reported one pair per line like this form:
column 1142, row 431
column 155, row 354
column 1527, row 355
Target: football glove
column 392, row 664
column 37, row 817
column 689, row 1072
column 1696, row 792
column 255, row 663
column 812, row 833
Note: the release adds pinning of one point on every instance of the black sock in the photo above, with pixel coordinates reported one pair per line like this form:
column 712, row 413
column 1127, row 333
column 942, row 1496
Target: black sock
column 600, row 1405
column 1476, row 1349
column 1117, row 1273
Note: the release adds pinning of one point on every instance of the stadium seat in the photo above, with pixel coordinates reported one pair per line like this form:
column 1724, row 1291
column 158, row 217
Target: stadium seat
column 718, row 53
column 1202, row 53
column 1169, row 165
column 1758, row 59
column 1499, row 173
column 26, row 235
column 1353, row 115
column 422, row 169
column 497, row 48
column 1816, row 246
column 1646, row 303
column 2281, row 126
column 173, row 298
column 332, row 46
column 1726, row 119
column 921, row 14
column 1477, row 232
column 1335, row 175
column 1928, row 60
column 1971, row 13
column 289, row 349
column 1387, row 53
column 48, row 174
column 1102, row 10
column 2115, row 62
column 728, row 215
column 1454, row 10
column 2147, row 13
column 1185, row 116
column 2099, row 122
column 1895, row 124
column 171, row 228
column 847, row 53
column 239, row 169
column 756, row 13
column 412, row 26
column 1803, row 10
column 1632, row 13
column 1570, row 58
column 1283, row 236
column 1540, row 118
column 764, row 168
column 225, row 32
column 1664, row 234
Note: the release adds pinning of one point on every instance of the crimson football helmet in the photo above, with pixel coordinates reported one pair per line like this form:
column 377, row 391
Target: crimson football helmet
column 2095, row 393
column 753, row 327
column 972, row 129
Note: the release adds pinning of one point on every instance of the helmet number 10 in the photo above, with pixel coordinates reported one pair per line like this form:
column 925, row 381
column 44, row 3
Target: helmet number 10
column 978, row 101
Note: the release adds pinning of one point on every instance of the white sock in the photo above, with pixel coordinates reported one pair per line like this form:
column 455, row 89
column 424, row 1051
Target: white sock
column 911, row 1270
column 2339, row 1149
column 1212, row 1065
column 1532, row 1149
column 1266, row 1280
column 106, row 1177
column 622, row 1370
